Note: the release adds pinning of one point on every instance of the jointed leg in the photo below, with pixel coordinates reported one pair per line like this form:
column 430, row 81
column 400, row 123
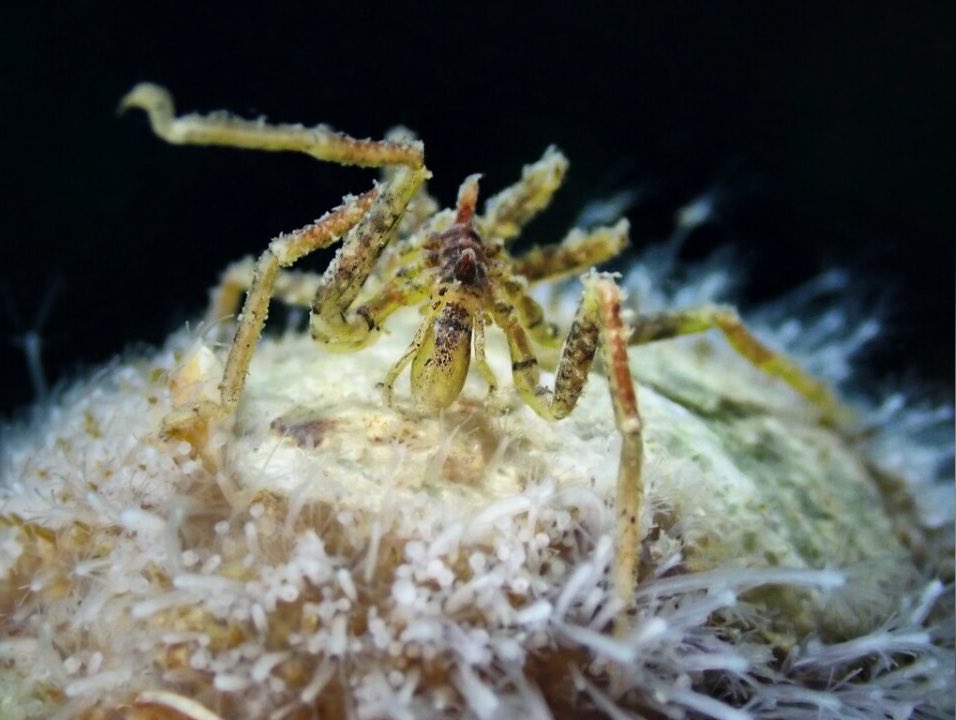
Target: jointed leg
column 282, row 252
column 320, row 142
column 423, row 206
column 578, row 251
column 664, row 325
column 629, row 498
column 480, row 360
column 510, row 210
column 598, row 319
column 530, row 313
column 331, row 323
column 225, row 298
column 291, row 287
column 370, row 221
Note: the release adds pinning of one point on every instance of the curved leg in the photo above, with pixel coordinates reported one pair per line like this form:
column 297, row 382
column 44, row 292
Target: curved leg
column 480, row 360
column 670, row 324
column 597, row 321
column 282, row 252
column 321, row 141
column 577, row 252
column 331, row 322
column 511, row 209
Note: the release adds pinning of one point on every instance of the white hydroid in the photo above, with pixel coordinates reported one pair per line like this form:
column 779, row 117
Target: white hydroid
column 321, row 555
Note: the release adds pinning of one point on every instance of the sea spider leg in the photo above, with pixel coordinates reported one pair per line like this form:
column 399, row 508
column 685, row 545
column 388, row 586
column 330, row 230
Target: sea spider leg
column 220, row 128
column 367, row 220
column 298, row 288
column 511, row 209
column 578, row 251
column 291, row 287
column 629, row 496
column 597, row 321
column 423, row 206
column 370, row 222
column 282, row 251
column 669, row 324
column 330, row 322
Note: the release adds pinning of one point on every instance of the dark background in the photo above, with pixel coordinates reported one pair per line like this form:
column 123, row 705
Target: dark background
column 827, row 127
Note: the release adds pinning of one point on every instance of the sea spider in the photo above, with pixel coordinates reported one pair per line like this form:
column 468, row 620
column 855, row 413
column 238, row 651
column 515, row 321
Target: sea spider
column 457, row 266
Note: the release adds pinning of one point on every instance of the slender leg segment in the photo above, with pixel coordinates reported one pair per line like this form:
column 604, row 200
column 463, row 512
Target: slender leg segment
column 578, row 251
column 291, row 287
column 370, row 222
column 597, row 321
column 480, row 359
column 282, row 252
column 510, row 210
column 321, row 142
column 331, row 322
column 629, row 499
column 226, row 297
column 670, row 324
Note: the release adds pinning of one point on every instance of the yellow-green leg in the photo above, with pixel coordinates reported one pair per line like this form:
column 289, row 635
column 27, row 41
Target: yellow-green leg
column 577, row 252
column 597, row 322
column 670, row 324
column 291, row 287
column 331, row 322
column 511, row 209
column 281, row 252
column 321, row 141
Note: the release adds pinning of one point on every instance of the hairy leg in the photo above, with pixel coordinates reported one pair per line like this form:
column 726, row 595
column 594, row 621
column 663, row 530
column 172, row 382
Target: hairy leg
column 291, row 287
column 577, row 252
column 281, row 252
column 670, row 324
column 331, row 322
column 597, row 321
column 511, row 209
column 321, row 142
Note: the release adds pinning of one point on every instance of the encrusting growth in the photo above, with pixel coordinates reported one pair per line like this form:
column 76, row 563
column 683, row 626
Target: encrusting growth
column 458, row 266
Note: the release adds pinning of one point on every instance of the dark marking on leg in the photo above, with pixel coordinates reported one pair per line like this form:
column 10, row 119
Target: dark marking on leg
column 363, row 311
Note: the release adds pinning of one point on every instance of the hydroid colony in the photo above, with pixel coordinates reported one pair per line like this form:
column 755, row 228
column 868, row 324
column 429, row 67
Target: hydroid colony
column 319, row 553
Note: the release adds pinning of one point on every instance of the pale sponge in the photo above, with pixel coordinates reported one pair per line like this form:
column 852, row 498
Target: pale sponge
column 321, row 555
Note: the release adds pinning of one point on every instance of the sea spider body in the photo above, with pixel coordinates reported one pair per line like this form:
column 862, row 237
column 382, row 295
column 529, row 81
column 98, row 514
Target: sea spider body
column 398, row 250
column 460, row 259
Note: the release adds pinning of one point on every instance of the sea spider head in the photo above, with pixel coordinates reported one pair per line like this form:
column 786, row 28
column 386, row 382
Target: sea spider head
column 458, row 253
